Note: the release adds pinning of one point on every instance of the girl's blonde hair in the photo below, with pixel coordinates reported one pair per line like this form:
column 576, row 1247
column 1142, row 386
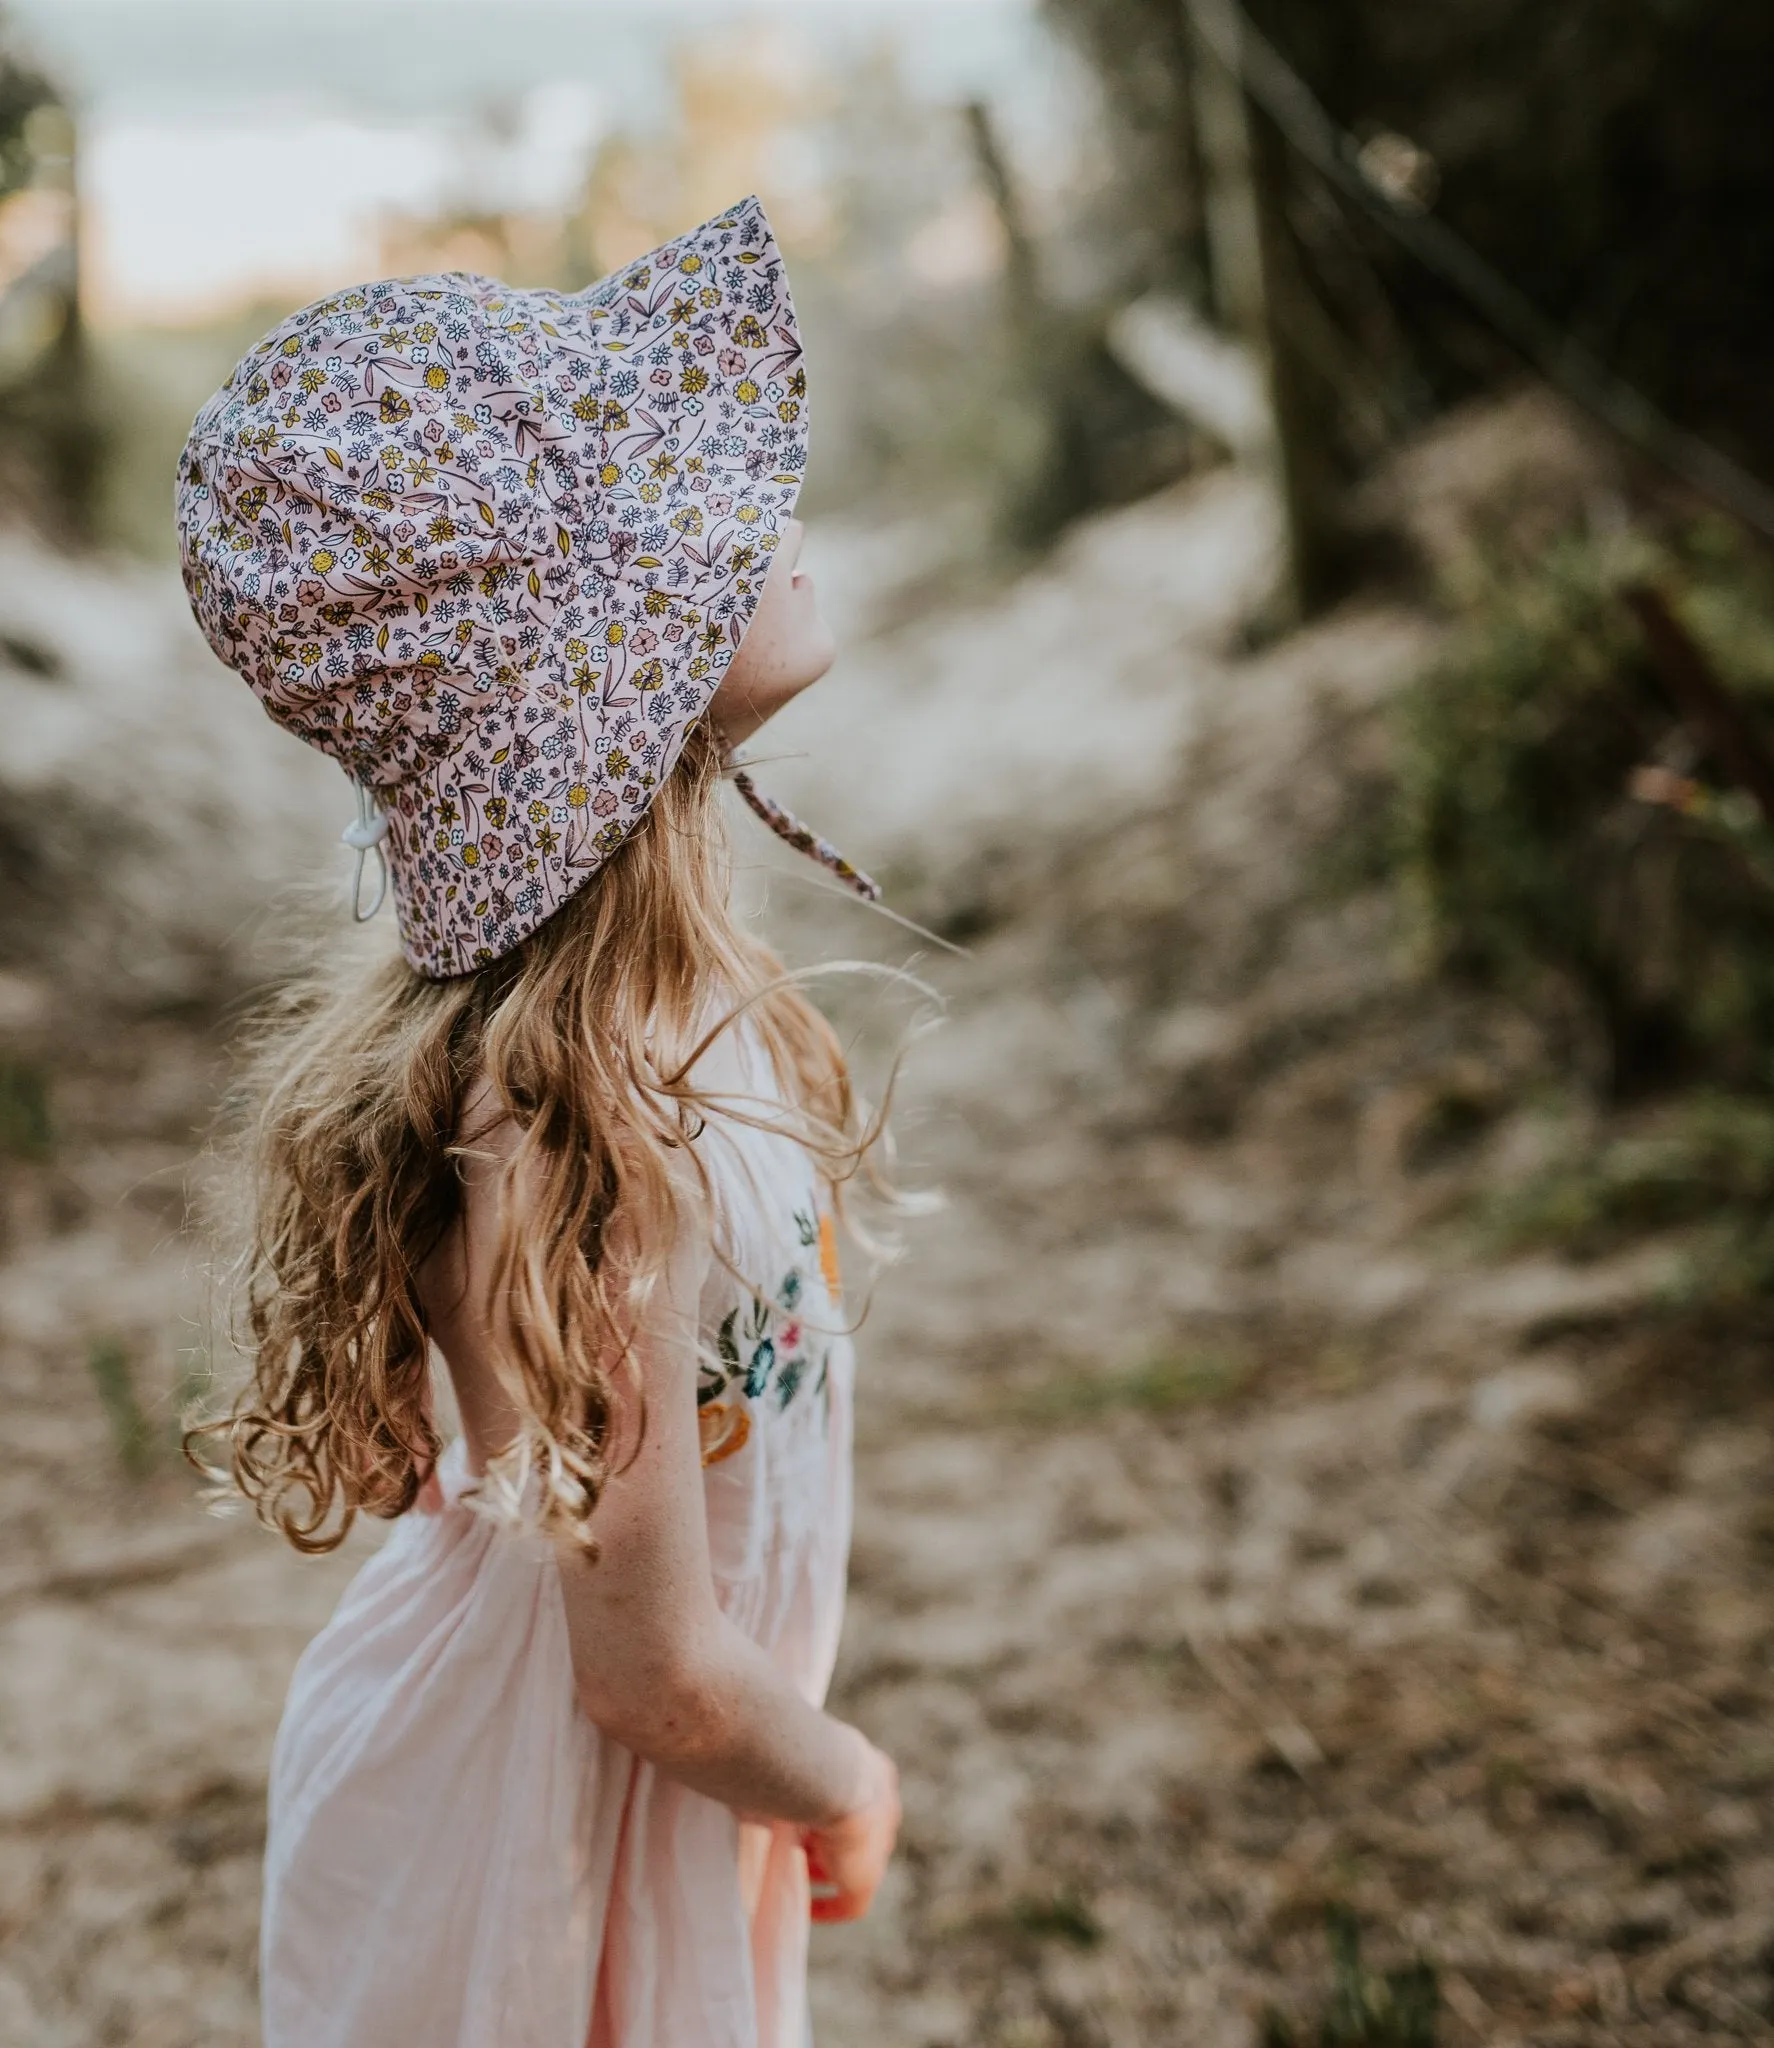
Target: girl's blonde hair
column 586, row 1035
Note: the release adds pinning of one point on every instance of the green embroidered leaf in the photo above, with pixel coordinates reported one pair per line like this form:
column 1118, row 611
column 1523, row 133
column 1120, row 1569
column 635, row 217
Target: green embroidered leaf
column 758, row 1377
column 728, row 1344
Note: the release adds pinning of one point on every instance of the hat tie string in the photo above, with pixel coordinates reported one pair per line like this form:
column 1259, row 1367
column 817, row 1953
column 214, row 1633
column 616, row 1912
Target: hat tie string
column 365, row 834
column 803, row 838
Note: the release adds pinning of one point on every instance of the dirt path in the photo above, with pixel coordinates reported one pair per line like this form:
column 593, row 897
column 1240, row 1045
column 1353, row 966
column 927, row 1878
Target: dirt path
column 1232, row 1544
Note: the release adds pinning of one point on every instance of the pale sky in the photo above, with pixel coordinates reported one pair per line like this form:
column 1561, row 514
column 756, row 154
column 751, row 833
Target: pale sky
column 241, row 150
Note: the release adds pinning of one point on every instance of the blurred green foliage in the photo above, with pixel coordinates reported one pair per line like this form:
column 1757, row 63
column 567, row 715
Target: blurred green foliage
column 1160, row 1385
column 113, row 1376
column 23, row 89
column 25, row 1128
column 1065, row 1917
column 1641, row 932
column 1364, row 2010
column 1705, row 1162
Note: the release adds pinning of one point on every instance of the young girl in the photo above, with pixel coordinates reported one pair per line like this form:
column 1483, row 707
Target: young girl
column 556, row 1774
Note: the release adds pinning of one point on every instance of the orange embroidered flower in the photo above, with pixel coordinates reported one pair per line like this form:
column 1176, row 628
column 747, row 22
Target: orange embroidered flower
column 724, row 1428
column 828, row 1256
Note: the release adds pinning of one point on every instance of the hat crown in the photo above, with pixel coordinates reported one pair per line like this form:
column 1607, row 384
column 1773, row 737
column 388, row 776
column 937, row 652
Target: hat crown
column 492, row 549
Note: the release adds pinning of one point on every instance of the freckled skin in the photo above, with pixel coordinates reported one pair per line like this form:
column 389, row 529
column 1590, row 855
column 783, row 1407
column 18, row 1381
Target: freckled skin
column 786, row 649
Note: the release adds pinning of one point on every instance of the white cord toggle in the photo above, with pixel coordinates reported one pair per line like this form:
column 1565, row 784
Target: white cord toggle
column 365, row 834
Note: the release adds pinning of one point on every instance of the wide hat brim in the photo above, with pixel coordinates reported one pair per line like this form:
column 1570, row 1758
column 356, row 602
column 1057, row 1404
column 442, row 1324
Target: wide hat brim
column 494, row 549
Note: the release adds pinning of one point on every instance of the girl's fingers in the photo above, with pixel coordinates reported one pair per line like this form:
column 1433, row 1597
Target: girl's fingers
column 838, row 1906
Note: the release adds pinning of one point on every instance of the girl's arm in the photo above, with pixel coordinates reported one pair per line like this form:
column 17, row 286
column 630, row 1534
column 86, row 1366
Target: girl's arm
column 658, row 1666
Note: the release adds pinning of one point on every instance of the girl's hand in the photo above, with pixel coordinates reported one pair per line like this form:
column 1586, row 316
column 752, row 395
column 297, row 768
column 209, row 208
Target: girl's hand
column 848, row 1859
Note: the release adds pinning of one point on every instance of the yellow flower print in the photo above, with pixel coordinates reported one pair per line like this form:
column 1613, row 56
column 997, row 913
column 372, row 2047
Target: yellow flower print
column 650, row 493
column 575, row 650
column 615, row 633
column 537, row 813
column 746, row 391
column 747, row 333
column 443, row 527
column 747, row 515
column 585, row 408
column 578, row 796
column 616, row 761
column 471, row 855
column 649, row 676
column 708, row 296
column 609, row 474
column 321, row 560
column 788, row 410
column 695, row 379
column 656, row 602
column 690, row 264
column 292, row 345
column 308, row 653
column 615, row 416
column 437, row 378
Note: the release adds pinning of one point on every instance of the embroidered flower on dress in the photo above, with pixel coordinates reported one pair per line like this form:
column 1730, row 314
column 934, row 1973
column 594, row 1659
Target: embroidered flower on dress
column 764, row 1349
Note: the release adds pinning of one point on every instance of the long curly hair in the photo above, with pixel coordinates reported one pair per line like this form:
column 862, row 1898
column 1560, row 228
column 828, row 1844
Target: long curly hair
column 586, row 1038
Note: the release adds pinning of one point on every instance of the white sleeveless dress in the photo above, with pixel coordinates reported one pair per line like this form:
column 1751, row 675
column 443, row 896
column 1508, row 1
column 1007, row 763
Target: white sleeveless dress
column 457, row 1857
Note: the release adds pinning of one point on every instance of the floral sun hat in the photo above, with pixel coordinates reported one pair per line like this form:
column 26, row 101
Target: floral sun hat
column 493, row 550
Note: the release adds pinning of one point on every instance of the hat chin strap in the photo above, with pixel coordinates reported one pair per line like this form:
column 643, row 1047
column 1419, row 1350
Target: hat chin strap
column 366, row 833
column 803, row 838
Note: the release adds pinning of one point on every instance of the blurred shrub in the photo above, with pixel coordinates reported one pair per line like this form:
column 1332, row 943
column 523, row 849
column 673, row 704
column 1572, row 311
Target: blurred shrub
column 1642, row 933
column 1615, row 170
column 1706, row 1161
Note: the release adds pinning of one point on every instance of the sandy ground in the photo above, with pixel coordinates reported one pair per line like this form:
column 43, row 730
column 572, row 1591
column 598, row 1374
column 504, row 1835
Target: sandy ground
column 1233, row 1542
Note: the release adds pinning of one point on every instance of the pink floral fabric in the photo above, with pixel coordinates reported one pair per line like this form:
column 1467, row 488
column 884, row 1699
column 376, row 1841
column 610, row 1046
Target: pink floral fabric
column 493, row 550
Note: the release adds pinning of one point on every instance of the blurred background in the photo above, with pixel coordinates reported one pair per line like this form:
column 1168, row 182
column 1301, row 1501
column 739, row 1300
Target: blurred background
column 1290, row 488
